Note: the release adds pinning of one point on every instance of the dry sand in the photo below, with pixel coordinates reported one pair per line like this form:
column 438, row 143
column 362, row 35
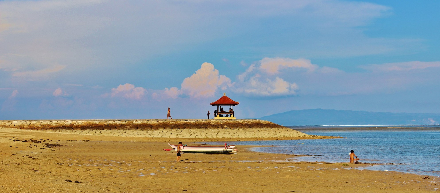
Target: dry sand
column 103, row 161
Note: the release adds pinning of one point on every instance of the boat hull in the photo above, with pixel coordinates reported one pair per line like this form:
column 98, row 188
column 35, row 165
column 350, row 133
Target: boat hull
column 206, row 149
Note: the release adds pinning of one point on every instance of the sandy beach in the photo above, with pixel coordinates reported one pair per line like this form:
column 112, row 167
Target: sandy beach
column 130, row 160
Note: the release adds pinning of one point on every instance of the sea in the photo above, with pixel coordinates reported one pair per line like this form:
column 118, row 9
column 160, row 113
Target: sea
column 409, row 149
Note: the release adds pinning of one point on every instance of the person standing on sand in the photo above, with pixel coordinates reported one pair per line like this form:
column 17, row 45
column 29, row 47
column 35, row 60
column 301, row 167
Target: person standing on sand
column 169, row 113
column 353, row 160
column 208, row 114
column 179, row 146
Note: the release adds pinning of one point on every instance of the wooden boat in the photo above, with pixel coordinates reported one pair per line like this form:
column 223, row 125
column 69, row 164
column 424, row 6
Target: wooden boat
column 226, row 149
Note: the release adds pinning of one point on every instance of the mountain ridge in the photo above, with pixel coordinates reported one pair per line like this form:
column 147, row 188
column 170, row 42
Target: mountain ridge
column 350, row 117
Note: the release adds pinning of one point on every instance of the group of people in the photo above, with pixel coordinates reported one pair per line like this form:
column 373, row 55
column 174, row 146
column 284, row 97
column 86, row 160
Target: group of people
column 231, row 113
column 223, row 113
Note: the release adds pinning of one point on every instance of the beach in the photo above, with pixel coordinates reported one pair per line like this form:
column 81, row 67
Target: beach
column 123, row 159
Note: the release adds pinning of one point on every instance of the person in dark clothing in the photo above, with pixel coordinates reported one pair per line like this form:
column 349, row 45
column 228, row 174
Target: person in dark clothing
column 178, row 149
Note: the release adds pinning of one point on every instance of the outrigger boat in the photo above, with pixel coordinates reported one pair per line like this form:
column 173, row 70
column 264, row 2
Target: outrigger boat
column 226, row 149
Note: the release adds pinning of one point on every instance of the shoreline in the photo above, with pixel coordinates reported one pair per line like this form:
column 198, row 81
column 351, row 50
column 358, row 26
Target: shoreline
column 43, row 160
column 367, row 128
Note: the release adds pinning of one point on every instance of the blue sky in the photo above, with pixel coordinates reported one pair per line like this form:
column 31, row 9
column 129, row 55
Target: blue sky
column 99, row 59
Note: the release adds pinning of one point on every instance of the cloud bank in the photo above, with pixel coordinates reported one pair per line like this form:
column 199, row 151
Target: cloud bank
column 274, row 77
column 39, row 38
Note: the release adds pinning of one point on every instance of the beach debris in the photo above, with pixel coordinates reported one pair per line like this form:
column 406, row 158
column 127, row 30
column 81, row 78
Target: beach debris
column 76, row 181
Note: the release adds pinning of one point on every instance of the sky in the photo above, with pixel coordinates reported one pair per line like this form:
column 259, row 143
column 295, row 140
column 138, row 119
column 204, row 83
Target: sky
column 99, row 59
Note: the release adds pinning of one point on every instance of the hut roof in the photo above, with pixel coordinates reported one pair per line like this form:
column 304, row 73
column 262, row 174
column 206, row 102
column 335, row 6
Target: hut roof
column 224, row 100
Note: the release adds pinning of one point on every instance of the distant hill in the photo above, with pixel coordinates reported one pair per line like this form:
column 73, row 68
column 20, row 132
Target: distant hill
column 347, row 117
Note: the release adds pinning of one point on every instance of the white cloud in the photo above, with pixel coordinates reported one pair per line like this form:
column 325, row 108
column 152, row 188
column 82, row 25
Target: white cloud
column 264, row 77
column 202, row 84
column 281, row 77
column 166, row 94
column 83, row 35
column 245, row 74
column 13, row 94
column 58, row 92
column 258, row 86
column 43, row 37
column 272, row 66
column 172, row 92
column 329, row 70
column 87, row 34
column 402, row 66
column 37, row 74
column 128, row 91
column 376, row 79
column 205, row 82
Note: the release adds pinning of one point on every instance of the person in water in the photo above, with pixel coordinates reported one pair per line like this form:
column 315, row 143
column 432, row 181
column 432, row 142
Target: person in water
column 178, row 149
column 353, row 158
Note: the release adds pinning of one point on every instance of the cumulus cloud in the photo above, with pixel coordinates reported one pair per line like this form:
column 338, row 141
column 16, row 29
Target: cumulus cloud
column 202, row 84
column 259, row 86
column 264, row 78
column 165, row 94
column 172, row 92
column 205, row 82
column 128, row 91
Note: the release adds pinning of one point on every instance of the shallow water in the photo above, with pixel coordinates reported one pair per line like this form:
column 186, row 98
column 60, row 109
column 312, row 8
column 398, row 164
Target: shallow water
column 411, row 151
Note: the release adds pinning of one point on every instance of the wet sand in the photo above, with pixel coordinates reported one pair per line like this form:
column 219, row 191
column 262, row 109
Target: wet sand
column 48, row 161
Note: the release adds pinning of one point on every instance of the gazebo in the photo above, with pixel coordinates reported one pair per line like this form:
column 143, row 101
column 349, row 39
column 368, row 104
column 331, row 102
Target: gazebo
column 224, row 101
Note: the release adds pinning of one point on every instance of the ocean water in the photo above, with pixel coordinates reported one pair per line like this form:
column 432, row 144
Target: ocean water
column 405, row 150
